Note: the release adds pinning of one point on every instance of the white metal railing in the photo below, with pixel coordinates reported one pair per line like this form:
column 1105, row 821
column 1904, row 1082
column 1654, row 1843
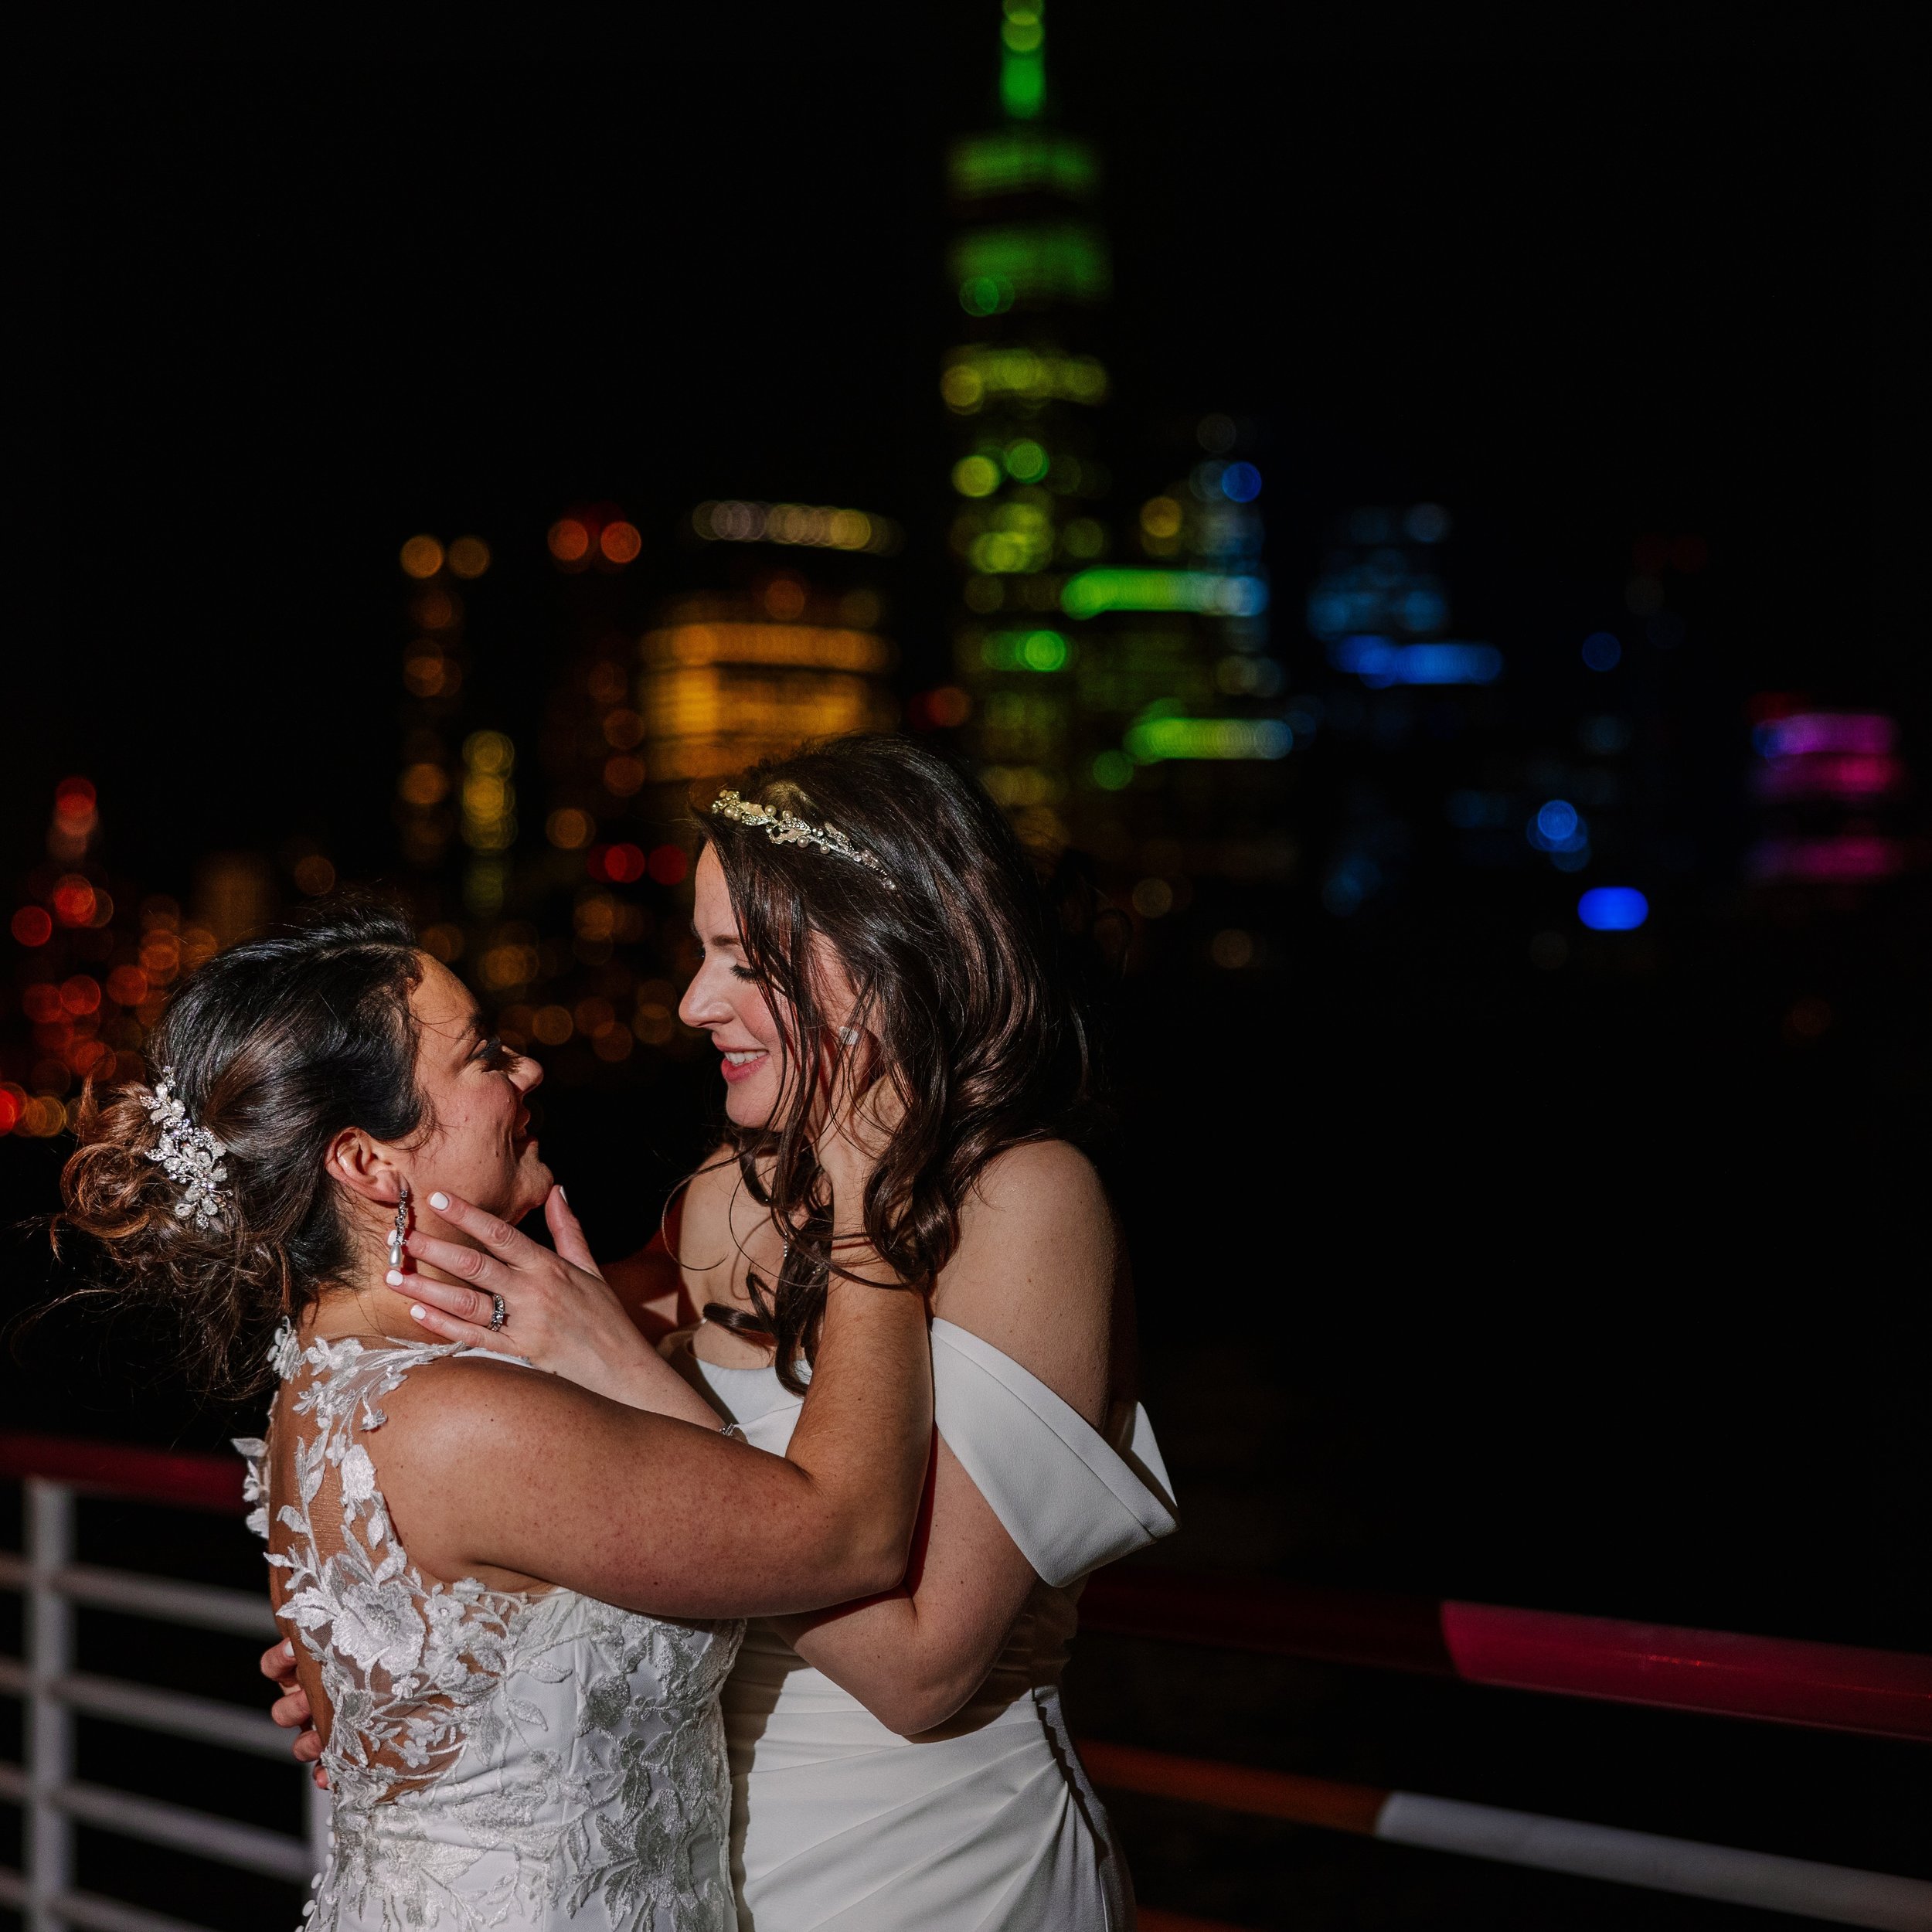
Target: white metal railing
column 54, row 1801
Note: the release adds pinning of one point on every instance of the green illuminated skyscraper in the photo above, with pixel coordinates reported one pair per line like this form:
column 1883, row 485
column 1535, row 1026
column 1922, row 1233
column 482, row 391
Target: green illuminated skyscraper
column 1029, row 265
column 1122, row 699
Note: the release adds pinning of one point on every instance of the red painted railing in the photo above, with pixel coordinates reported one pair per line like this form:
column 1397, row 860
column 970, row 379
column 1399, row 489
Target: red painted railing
column 1778, row 1680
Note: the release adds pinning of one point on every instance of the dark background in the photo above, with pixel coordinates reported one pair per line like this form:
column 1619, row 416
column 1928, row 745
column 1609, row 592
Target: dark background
column 1593, row 1292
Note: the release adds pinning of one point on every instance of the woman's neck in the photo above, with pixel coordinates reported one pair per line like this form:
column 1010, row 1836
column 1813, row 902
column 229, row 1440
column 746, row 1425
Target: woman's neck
column 362, row 1304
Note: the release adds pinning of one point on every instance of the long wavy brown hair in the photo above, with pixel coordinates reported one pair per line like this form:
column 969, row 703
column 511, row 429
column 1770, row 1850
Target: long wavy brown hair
column 959, row 969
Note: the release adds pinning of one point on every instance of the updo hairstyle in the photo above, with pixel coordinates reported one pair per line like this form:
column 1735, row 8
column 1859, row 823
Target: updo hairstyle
column 276, row 1046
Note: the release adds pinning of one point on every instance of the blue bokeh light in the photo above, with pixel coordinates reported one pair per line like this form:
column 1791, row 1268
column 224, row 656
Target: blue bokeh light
column 1240, row 482
column 1613, row 908
column 1557, row 821
column 1602, row 652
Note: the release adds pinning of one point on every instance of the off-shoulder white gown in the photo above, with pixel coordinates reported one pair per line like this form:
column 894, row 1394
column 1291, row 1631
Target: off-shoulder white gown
column 841, row 1826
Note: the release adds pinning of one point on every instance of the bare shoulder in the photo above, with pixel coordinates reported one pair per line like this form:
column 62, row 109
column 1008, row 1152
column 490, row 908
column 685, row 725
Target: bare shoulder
column 1039, row 1268
column 704, row 1241
column 463, row 1405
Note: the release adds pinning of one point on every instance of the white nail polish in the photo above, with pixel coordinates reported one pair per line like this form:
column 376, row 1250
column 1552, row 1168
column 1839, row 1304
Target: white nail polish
column 417, row 1311
column 439, row 1201
column 394, row 1278
column 849, row 1035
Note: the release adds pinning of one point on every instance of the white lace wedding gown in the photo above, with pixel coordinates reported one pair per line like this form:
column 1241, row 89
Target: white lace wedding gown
column 533, row 1759
column 841, row 1825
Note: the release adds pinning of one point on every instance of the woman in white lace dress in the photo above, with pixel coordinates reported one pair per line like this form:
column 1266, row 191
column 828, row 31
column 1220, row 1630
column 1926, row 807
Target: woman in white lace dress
column 513, row 1598
column 900, row 1764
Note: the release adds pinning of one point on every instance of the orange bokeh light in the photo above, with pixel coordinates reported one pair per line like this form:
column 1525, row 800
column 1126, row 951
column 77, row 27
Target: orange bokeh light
column 422, row 556
column 31, row 926
column 621, row 543
column 127, row 986
column 569, row 541
column 74, row 798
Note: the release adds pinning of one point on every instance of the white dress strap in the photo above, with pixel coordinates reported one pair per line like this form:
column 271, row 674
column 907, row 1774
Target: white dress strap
column 1069, row 1500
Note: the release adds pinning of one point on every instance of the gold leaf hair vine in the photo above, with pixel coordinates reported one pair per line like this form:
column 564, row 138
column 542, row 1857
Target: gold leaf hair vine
column 788, row 828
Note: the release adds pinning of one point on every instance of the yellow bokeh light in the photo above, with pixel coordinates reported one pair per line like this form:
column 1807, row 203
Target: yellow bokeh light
column 489, row 752
column 975, row 476
column 551, row 1025
column 469, row 556
column 1160, row 516
column 422, row 557
column 571, row 830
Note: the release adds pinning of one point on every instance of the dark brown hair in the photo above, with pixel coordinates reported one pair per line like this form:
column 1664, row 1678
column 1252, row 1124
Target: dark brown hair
column 275, row 1046
column 957, row 968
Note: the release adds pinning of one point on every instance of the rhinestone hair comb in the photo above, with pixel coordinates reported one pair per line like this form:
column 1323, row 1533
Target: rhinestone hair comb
column 788, row 828
column 192, row 1155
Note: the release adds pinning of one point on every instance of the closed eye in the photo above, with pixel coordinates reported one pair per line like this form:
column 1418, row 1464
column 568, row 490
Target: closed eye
column 489, row 1052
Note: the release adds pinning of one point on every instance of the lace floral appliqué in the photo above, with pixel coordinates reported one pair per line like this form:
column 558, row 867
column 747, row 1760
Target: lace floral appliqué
column 497, row 1758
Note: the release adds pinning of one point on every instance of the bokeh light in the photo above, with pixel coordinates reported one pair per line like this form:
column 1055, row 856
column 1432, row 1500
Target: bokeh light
column 422, row 557
column 469, row 556
column 32, row 925
column 1602, row 652
column 620, row 542
column 1613, row 908
column 569, row 541
column 569, row 829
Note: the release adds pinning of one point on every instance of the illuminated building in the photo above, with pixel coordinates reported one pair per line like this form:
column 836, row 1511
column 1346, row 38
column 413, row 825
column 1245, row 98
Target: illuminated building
column 1827, row 783
column 578, row 938
column 1028, row 266
column 90, row 966
column 1117, row 689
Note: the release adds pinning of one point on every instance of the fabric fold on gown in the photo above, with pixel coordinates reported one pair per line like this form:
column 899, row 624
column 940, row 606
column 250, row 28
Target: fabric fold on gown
column 840, row 1825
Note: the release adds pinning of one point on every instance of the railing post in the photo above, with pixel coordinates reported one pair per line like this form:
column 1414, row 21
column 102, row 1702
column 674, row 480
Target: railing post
column 50, row 1622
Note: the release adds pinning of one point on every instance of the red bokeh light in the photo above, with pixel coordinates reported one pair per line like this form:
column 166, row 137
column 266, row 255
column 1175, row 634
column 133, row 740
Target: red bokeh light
column 570, row 541
column 619, row 864
column 31, row 926
column 73, row 901
column 621, row 543
column 668, row 865
column 40, row 1003
column 74, row 798
column 13, row 1106
column 127, row 986
column 81, row 994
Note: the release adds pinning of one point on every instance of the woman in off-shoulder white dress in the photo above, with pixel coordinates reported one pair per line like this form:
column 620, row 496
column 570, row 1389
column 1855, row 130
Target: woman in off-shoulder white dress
column 838, row 1820
column 900, row 1763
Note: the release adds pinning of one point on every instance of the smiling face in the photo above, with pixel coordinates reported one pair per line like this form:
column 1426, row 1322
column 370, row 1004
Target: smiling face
column 726, row 1000
column 480, row 1145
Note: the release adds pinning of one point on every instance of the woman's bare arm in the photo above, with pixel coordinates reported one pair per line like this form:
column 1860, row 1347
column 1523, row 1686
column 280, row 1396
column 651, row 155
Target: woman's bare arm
column 495, row 1468
column 1035, row 1275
